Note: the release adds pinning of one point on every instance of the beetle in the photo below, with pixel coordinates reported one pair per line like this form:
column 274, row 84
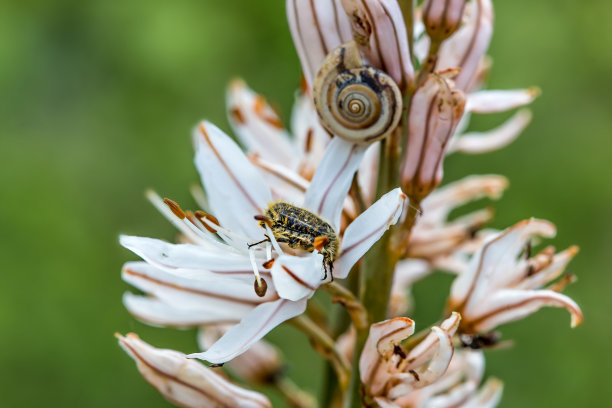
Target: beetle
column 300, row 228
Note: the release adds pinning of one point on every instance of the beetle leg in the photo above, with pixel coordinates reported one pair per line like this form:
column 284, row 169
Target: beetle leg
column 260, row 242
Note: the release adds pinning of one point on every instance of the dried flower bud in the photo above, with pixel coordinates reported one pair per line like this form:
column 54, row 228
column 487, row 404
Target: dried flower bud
column 434, row 114
column 442, row 17
column 186, row 382
column 379, row 29
column 317, row 27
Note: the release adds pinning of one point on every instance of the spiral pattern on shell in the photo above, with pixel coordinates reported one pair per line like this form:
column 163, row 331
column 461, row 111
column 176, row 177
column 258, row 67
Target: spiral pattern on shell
column 357, row 103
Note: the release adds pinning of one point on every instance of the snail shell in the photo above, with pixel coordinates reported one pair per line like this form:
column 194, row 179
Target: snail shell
column 357, row 103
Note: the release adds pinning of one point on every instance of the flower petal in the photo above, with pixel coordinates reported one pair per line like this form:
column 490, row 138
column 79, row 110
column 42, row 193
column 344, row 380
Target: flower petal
column 469, row 44
column 488, row 396
column 439, row 361
column 253, row 327
column 494, row 139
column 493, row 101
column 158, row 313
column 508, row 305
column 187, row 256
column 235, row 188
column 426, row 348
column 317, row 27
column 362, row 233
column 383, row 336
column 551, row 272
column 495, row 264
column 332, row 179
column 296, row 277
column 185, row 382
column 185, row 293
column 257, row 125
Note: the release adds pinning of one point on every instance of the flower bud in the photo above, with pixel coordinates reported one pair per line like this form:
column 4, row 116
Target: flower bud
column 433, row 116
column 379, row 29
column 442, row 17
column 186, row 382
column 317, row 27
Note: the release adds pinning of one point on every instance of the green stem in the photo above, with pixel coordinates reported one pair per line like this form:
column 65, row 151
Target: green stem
column 324, row 344
column 295, row 397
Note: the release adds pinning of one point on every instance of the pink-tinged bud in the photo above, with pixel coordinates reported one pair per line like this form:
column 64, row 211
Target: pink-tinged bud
column 185, row 382
column 434, row 113
column 467, row 47
column 317, row 27
column 379, row 29
column 442, row 17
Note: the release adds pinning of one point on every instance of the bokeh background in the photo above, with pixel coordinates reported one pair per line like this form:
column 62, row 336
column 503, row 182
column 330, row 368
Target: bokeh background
column 97, row 100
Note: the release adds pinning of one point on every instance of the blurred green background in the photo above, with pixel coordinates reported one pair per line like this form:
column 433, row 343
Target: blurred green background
column 97, row 99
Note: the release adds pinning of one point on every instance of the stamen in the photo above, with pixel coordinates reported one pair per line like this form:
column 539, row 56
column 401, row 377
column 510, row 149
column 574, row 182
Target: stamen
column 201, row 215
column 275, row 245
column 264, row 219
column 175, row 208
column 320, row 242
column 269, row 250
column 158, row 203
column 268, row 264
column 260, row 285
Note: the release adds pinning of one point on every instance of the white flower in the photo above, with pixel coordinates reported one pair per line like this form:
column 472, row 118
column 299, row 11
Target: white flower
column 185, row 382
column 499, row 286
column 211, row 280
column 458, row 387
column 390, row 373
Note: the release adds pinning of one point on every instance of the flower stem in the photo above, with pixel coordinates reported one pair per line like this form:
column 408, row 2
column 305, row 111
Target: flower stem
column 295, row 397
column 353, row 306
column 324, row 344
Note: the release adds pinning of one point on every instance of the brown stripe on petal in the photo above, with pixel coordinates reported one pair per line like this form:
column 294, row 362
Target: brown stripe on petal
column 382, row 227
column 297, row 278
column 190, row 290
column 333, row 182
column 226, row 167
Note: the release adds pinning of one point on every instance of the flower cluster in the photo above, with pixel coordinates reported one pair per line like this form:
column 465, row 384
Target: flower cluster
column 387, row 93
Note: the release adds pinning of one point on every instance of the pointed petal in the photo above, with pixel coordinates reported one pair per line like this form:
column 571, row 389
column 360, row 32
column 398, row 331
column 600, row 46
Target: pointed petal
column 493, row 101
column 438, row 205
column 551, row 272
column 187, row 256
column 494, row 139
column 185, row 293
column 495, row 264
column 185, row 382
column 257, row 125
column 253, row 327
column 158, row 313
column 378, row 26
column 236, row 190
column 317, row 27
column 426, row 348
column 362, row 233
column 332, row 179
column 508, row 305
column 296, row 277
column 439, row 361
column 488, row 396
